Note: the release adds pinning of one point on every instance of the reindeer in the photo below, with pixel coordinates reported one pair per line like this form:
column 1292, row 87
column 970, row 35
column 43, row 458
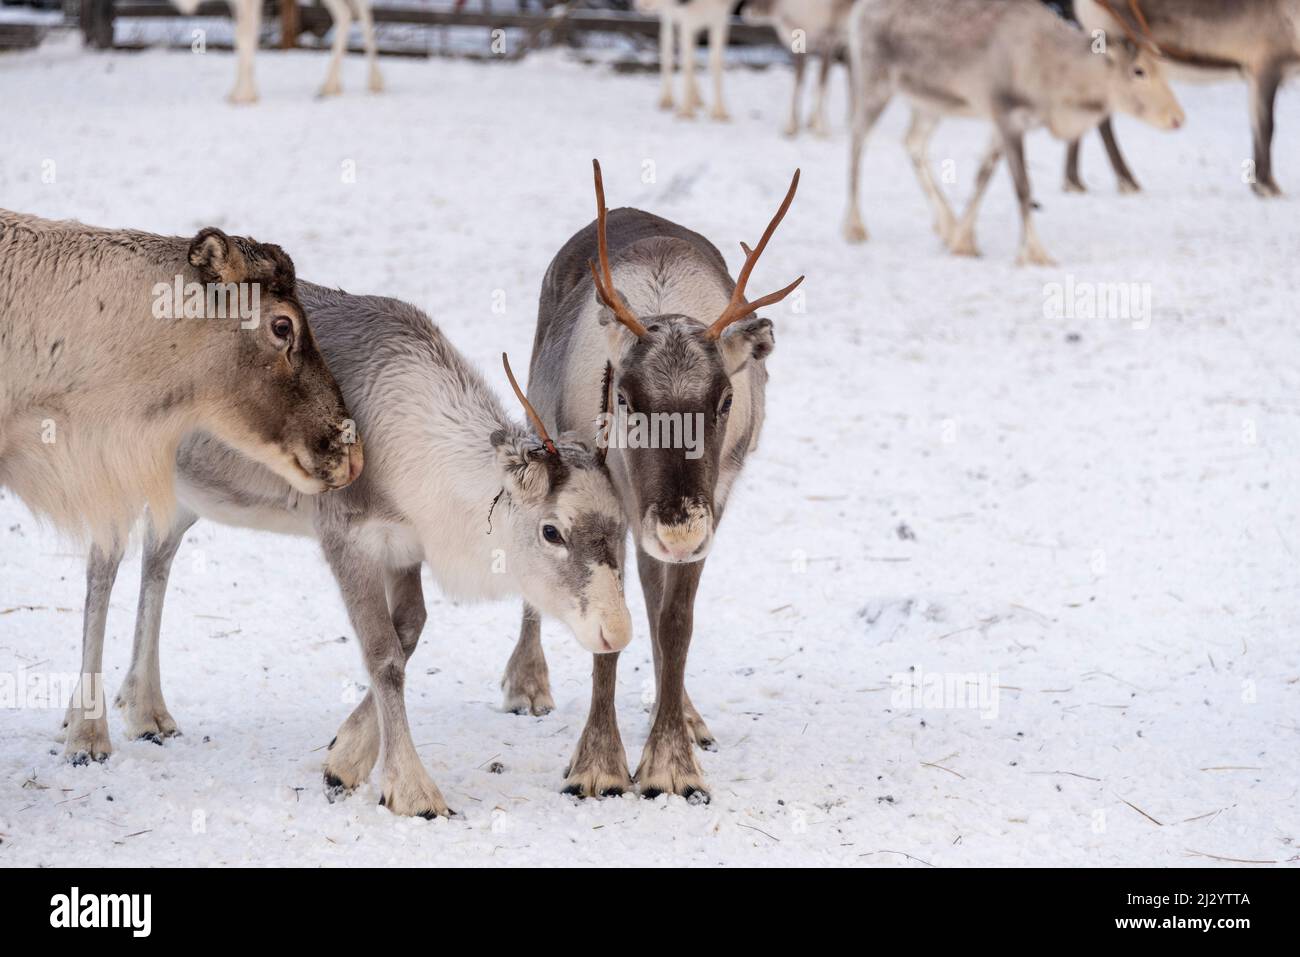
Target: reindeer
column 1207, row 40
column 690, row 18
column 452, row 481
column 1012, row 62
column 663, row 340
column 806, row 26
column 102, row 374
column 247, row 15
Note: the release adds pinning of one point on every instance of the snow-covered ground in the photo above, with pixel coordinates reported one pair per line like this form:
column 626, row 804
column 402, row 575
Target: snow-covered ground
column 1097, row 517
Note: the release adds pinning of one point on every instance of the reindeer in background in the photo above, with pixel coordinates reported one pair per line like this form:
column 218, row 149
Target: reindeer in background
column 248, row 27
column 688, row 18
column 806, row 27
column 1206, row 40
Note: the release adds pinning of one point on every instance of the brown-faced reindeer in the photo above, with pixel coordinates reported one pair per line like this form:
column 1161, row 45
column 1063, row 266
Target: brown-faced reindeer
column 1207, row 39
column 99, row 385
column 681, row 341
column 806, row 27
column 1012, row 62
column 451, row 481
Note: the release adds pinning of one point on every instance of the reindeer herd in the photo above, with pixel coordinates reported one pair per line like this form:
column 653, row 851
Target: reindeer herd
column 258, row 417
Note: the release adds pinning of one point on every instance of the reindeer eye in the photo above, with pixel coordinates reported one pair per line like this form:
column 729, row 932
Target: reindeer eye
column 552, row 535
column 622, row 399
column 282, row 328
column 1138, row 71
column 725, row 407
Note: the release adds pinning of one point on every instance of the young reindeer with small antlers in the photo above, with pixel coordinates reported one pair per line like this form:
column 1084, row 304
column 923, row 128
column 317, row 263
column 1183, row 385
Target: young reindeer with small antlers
column 668, row 356
column 1206, row 40
column 451, row 480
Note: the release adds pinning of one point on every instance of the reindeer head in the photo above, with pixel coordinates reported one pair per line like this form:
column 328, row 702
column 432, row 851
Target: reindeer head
column 290, row 415
column 568, row 530
column 1138, row 85
column 682, row 370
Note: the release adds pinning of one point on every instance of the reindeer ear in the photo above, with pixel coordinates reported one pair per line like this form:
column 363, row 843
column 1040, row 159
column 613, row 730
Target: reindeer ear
column 746, row 341
column 525, row 465
column 216, row 257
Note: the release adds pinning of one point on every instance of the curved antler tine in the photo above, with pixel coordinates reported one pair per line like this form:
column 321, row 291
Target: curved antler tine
column 605, row 281
column 528, row 407
column 737, row 308
column 1141, row 42
column 744, row 248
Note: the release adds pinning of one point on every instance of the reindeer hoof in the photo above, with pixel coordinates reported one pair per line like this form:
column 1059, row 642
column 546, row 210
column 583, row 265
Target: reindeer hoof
column 1129, row 186
column 1074, row 186
column 335, row 789
column 1266, row 190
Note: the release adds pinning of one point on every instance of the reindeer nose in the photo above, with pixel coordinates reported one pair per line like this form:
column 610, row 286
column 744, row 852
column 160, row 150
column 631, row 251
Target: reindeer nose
column 682, row 542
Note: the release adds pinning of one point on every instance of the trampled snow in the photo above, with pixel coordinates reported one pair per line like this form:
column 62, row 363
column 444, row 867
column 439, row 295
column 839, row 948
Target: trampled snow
column 1094, row 519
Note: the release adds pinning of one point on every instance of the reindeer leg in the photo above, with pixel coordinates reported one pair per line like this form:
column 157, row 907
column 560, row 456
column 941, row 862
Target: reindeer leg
column 141, row 694
column 665, row 62
column 248, row 28
column 652, row 586
column 527, row 682
column 1127, row 184
column 819, row 126
column 686, row 35
column 917, row 142
column 341, row 14
column 800, row 64
column 361, row 8
column 870, row 96
column 668, row 760
column 405, row 785
column 355, row 749
column 86, row 723
column 1263, row 95
column 1073, row 184
column 599, row 765
column 718, row 31
column 1031, row 250
column 963, row 238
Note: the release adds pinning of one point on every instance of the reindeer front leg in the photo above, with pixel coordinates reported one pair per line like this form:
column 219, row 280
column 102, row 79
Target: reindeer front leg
column 599, row 765
column 140, row 696
column 665, row 62
column 718, row 32
column 527, row 682
column 1263, row 95
column 1124, row 176
column 86, row 723
column 1032, row 252
column 248, row 28
column 405, row 785
column 355, row 749
column 668, row 760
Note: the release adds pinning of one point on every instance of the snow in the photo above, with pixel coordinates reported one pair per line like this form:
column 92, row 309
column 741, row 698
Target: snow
column 1094, row 516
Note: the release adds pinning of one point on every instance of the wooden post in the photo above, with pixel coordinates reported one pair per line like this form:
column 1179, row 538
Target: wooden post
column 290, row 24
column 97, row 23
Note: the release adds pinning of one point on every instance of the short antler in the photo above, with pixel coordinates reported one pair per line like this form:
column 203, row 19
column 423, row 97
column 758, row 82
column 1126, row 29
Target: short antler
column 528, row 407
column 738, row 308
column 605, row 280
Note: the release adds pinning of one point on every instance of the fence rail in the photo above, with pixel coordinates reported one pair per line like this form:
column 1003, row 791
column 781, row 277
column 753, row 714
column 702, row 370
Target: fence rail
column 97, row 17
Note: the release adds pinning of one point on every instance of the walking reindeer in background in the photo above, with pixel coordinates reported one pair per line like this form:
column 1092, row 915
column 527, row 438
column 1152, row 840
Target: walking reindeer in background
column 680, row 340
column 248, row 27
column 806, row 27
column 1014, row 63
column 1206, row 40
column 688, row 18
column 451, row 482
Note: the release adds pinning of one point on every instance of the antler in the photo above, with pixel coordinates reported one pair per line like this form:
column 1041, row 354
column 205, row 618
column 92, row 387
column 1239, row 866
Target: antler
column 1145, row 41
column 528, row 407
column 605, row 282
column 738, row 308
